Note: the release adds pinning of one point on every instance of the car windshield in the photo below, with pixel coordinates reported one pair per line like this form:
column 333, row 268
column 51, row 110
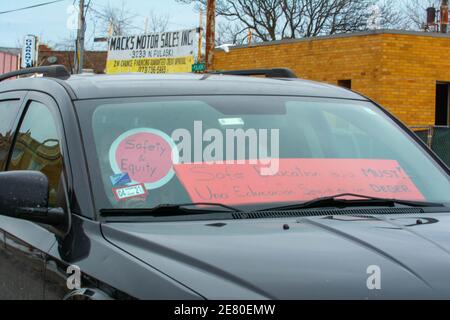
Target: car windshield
column 250, row 152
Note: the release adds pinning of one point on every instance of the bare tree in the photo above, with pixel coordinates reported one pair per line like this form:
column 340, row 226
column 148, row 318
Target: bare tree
column 392, row 18
column 415, row 12
column 278, row 19
column 114, row 20
column 119, row 20
column 231, row 33
column 64, row 44
column 156, row 23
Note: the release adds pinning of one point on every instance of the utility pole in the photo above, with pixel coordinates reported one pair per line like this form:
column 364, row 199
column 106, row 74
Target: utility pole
column 210, row 33
column 444, row 16
column 146, row 25
column 80, row 39
column 200, row 37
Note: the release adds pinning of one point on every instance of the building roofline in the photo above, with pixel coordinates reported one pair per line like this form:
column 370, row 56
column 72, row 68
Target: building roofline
column 10, row 50
column 347, row 35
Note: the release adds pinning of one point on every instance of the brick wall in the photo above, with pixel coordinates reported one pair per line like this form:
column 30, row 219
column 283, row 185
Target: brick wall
column 411, row 67
column 95, row 60
column 397, row 69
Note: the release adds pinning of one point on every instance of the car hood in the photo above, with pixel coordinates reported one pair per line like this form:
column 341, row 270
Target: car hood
column 328, row 257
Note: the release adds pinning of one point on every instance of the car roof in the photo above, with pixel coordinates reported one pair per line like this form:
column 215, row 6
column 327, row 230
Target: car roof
column 139, row 85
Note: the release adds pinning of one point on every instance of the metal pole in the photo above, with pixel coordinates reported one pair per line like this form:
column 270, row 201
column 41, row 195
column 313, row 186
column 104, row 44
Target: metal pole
column 200, row 37
column 80, row 38
column 444, row 16
column 210, row 33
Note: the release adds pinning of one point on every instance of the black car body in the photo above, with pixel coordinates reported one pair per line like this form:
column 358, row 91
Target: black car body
column 297, row 254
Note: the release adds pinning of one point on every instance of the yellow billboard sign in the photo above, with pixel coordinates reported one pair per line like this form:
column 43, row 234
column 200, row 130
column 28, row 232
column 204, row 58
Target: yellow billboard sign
column 151, row 65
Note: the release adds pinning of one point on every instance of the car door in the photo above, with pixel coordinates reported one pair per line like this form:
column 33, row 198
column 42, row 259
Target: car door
column 36, row 146
column 10, row 105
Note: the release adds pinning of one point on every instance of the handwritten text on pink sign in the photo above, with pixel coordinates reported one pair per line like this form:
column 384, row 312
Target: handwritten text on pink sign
column 296, row 180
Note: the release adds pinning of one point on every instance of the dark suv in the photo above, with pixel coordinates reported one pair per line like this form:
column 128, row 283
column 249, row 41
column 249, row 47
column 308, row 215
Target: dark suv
column 214, row 186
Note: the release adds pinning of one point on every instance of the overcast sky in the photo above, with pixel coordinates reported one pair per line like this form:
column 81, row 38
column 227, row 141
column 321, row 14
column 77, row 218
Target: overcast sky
column 50, row 22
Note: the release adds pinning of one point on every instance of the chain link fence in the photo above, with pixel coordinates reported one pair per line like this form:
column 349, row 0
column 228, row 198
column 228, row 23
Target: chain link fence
column 437, row 138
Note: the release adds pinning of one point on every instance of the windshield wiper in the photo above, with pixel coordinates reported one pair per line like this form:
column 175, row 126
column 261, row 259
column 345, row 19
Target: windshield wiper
column 169, row 209
column 363, row 201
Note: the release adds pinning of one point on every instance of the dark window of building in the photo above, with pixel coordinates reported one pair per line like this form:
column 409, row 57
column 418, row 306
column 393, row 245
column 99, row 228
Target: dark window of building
column 37, row 147
column 345, row 83
column 442, row 103
column 8, row 113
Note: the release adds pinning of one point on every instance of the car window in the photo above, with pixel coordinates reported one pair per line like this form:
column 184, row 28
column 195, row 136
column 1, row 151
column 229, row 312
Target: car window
column 350, row 141
column 144, row 152
column 8, row 113
column 37, row 147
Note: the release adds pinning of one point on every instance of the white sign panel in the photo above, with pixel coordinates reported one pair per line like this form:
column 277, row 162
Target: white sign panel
column 164, row 52
column 29, row 52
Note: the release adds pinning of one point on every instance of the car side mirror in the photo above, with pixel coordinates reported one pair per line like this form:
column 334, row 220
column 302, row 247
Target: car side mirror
column 24, row 195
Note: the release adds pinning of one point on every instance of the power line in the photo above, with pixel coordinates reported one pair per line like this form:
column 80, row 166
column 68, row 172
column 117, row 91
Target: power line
column 31, row 7
column 87, row 7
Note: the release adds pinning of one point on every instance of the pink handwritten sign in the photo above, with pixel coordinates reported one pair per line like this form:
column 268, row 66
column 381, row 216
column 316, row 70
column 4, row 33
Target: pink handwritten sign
column 296, row 180
column 147, row 155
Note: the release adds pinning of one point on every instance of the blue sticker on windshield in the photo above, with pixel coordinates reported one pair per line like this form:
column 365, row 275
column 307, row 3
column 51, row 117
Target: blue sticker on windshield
column 120, row 179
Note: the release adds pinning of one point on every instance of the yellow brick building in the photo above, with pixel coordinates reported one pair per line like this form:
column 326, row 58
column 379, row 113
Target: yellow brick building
column 407, row 72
